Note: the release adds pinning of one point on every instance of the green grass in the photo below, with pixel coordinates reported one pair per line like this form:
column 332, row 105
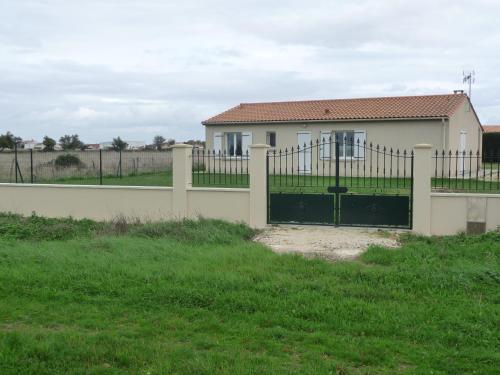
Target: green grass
column 305, row 184
column 198, row 297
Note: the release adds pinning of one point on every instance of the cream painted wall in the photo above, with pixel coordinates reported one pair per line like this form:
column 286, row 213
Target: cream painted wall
column 226, row 204
column 402, row 134
column 450, row 212
column 92, row 202
column 465, row 119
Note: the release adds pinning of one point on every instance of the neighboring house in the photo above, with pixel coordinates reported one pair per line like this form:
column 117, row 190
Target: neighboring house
column 448, row 122
column 491, row 128
column 30, row 145
column 92, row 146
column 131, row 145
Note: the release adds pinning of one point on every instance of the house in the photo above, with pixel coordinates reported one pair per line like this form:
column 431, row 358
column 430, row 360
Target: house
column 131, row 145
column 491, row 128
column 448, row 122
column 29, row 144
column 92, row 146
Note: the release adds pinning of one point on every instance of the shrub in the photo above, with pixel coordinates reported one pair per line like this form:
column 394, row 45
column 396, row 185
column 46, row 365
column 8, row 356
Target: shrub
column 68, row 160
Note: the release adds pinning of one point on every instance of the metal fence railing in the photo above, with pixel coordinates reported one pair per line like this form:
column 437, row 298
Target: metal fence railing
column 99, row 167
column 220, row 168
column 466, row 171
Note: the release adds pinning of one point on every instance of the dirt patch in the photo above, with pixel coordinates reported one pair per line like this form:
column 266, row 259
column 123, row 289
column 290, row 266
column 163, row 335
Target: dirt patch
column 325, row 242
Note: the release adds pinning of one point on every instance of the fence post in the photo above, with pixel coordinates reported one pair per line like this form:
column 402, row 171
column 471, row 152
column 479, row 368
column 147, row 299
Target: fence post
column 31, row 165
column 422, row 171
column 15, row 160
column 100, row 167
column 182, row 178
column 120, row 166
column 258, row 185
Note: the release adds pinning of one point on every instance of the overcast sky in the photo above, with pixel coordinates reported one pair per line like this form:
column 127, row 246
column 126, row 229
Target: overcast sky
column 137, row 68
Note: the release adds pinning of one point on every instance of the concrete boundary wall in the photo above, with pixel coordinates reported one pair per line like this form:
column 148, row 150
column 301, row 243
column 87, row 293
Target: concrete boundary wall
column 147, row 203
column 433, row 213
column 448, row 213
column 92, row 202
column 453, row 213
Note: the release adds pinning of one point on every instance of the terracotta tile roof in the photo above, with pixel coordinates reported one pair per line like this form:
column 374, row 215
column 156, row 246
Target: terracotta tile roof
column 342, row 109
column 491, row 128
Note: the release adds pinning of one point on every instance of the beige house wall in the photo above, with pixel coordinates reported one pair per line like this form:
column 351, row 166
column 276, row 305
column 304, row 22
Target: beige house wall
column 464, row 119
column 398, row 134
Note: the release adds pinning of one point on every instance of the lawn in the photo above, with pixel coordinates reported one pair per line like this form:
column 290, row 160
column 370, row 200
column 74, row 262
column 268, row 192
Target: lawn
column 199, row 297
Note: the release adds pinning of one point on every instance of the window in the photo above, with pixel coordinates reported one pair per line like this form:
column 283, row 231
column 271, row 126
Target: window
column 345, row 141
column 271, row 139
column 351, row 143
column 324, row 144
column 234, row 143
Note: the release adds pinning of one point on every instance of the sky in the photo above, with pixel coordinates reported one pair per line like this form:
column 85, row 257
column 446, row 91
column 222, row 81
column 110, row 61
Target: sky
column 135, row 69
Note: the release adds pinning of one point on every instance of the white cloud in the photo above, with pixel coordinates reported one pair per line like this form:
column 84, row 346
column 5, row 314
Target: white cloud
column 103, row 68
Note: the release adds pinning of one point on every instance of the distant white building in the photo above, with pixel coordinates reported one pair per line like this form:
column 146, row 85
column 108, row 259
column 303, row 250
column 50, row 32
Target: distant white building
column 131, row 145
column 30, row 145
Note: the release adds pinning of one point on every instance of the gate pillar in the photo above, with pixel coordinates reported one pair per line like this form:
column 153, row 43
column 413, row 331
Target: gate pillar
column 258, row 185
column 421, row 206
column 182, row 178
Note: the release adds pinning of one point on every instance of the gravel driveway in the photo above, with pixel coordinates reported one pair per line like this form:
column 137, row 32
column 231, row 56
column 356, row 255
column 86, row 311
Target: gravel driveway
column 324, row 241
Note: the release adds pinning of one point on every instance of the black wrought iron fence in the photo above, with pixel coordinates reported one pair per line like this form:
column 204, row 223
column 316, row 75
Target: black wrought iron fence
column 466, row 171
column 359, row 165
column 220, row 168
column 99, row 167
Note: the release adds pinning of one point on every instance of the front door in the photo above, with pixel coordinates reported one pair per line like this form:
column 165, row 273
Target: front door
column 304, row 142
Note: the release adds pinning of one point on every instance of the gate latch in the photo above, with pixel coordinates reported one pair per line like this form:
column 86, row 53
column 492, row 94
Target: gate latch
column 337, row 189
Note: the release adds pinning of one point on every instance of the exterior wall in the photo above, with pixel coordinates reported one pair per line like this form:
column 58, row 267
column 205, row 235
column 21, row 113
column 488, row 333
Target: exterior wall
column 398, row 134
column 451, row 212
column 226, row 204
column 465, row 119
column 92, row 202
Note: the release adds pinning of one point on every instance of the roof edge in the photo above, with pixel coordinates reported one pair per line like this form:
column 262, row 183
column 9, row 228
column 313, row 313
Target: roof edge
column 207, row 123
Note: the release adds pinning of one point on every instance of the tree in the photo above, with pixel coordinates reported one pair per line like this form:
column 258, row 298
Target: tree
column 158, row 141
column 48, row 143
column 171, row 142
column 71, row 142
column 118, row 144
column 7, row 140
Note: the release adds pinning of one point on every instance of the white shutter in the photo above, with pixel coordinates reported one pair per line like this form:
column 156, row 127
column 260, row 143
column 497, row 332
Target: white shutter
column 217, row 143
column 359, row 144
column 246, row 141
column 324, row 147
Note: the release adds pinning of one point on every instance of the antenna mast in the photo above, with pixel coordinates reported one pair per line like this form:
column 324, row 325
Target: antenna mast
column 469, row 78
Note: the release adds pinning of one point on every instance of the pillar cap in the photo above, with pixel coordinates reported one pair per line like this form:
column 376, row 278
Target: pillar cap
column 422, row 146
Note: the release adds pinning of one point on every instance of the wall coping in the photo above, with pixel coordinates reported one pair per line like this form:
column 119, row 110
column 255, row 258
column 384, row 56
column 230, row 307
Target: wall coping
column 423, row 146
column 226, row 190
column 63, row 186
column 468, row 195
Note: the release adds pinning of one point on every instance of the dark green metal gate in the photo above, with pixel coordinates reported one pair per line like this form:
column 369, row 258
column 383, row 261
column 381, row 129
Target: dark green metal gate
column 347, row 182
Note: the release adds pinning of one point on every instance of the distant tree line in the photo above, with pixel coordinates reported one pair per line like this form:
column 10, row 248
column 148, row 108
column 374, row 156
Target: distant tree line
column 73, row 142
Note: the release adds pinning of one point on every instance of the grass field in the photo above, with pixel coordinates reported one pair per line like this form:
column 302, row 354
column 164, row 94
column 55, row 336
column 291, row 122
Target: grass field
column 199, row 297
column 301, row 183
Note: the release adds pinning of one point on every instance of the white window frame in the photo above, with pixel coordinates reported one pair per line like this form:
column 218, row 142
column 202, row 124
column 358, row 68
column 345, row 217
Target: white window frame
column 325, row 141
column 246, row 141
column 357, row 134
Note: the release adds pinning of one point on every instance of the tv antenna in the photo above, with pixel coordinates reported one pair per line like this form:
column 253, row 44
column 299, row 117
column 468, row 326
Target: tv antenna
column 469, row 78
